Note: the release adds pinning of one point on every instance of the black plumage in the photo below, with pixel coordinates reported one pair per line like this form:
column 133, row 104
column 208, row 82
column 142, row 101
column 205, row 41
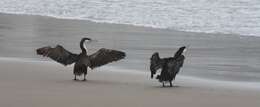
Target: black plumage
column 82, row 61
column 170, row 66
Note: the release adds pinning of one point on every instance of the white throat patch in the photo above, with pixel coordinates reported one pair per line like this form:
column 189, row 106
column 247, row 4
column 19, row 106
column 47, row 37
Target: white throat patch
column 84, row 45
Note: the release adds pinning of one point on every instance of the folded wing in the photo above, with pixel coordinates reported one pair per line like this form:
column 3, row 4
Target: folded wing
column 58, row 54
column 156, row 63
column 175, row 64
column 104, row 56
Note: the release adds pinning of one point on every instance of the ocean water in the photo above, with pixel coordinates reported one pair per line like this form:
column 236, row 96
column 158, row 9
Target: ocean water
column 210, row 16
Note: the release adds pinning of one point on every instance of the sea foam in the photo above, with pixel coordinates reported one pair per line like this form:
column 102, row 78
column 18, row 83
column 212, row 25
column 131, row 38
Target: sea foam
column 210, row 16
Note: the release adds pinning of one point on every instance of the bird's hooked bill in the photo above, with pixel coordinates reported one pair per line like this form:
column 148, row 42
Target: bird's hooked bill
column 92, row 41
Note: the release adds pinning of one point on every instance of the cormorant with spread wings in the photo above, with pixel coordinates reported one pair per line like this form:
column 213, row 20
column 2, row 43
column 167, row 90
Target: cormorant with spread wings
column 170, row 66
column 82, row 61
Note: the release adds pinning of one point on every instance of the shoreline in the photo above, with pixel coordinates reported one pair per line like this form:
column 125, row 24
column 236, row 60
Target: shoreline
column 130, row 25
column 28, row 80
column 205, row 82
column 209, row 55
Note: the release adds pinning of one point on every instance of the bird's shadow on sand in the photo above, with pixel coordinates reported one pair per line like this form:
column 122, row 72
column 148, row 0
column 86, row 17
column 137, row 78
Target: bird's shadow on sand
column 113, row 83
column 175, row 86
column 93, row 82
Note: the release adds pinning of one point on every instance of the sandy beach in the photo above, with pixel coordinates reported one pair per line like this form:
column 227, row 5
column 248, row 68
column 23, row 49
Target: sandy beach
column 42, row 84
column 27, row 80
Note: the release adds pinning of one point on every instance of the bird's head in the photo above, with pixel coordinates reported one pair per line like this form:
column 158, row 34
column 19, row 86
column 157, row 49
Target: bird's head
column 179, row 52
column 83, row 39
column 43, row 50
column 183, row 48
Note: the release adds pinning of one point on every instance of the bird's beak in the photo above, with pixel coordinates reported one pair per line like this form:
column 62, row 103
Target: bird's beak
column 92, row 41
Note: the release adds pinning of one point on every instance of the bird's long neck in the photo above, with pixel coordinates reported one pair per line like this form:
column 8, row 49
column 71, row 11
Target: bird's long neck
column 179, row 52
column 84, row 51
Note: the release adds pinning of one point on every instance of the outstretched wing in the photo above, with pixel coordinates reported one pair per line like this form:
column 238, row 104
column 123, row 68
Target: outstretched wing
column 104, row 56
column 155, row 63
column 58, row 54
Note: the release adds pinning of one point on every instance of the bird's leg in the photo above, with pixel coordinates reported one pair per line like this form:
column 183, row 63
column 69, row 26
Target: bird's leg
column 163, row 84
column 84, row 77
column 75, row 77
column 170, row 83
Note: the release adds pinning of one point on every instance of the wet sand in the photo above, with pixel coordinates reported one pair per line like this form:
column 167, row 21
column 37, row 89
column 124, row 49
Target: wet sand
column 211, row 56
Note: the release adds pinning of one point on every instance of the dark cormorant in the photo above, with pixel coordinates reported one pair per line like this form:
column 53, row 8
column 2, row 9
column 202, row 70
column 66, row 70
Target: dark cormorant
column 82, row 61
column 170, row 66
